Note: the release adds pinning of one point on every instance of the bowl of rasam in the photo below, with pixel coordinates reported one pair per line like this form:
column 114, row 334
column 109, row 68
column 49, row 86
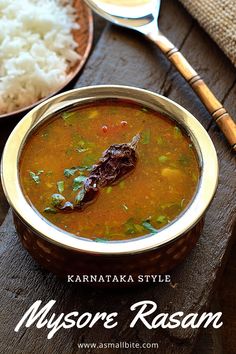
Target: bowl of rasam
column 109, row 180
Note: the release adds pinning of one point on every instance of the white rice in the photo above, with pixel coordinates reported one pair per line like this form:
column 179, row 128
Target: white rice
column 36, row 49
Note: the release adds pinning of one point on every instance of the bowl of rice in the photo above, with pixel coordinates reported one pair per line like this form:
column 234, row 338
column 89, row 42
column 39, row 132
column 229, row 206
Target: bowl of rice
column 44, row 44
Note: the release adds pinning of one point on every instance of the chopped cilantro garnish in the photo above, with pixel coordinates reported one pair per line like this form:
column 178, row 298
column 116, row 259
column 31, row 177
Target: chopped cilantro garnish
column 146, row 136
column 99, row 239
column 162, row 158
column 109, row 189
column 36, row 176
column 80, row 196
column 132, row 228
column 78, row 182
column 68, row 172
column 148, row 226
column 57, row 199
column 60, row 186
column 177, row 132
column 50, row 210
column 161, row 219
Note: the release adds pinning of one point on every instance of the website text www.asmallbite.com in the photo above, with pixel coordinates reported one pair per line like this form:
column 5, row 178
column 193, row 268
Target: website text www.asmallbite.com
column 118, row 345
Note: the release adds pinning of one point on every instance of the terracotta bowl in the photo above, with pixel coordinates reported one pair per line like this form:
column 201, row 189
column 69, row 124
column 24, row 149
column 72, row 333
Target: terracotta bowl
column 64, row 253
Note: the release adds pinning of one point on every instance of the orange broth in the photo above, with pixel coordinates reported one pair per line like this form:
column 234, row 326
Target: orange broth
column 156, row 192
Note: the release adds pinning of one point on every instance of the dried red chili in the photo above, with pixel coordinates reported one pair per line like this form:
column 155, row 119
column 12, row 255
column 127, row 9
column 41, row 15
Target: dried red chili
column 116, row 162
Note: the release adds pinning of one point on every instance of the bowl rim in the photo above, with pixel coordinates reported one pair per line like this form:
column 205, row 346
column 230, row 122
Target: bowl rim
column 188, row 218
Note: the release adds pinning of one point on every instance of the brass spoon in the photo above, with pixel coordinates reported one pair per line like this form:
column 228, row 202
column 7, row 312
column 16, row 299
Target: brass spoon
column 142, row 16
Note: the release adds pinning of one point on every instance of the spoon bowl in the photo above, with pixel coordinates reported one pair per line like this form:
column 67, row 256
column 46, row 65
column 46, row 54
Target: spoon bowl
column 142, row 16
column 134, row 14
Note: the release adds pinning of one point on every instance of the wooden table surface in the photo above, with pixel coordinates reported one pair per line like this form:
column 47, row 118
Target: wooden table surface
column 123, row 57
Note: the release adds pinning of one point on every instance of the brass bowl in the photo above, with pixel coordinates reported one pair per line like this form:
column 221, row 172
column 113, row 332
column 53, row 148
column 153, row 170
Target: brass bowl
column 64, row 253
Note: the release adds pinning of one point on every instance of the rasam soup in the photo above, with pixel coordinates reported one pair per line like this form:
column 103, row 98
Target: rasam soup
column 59, row 155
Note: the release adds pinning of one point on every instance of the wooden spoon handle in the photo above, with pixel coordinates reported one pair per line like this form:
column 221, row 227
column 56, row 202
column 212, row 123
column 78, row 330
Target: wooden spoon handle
column 215, row 108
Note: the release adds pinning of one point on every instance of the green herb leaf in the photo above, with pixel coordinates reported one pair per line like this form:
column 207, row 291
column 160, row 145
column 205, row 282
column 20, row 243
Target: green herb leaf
column 138, row 228
column 36, row 176
column 177, row 132
column 160, row 140
column 162, row 219
column 57, row 199
column 163, row 158
column 146, row 136
column 49, row 173
column 85, row 168
column 132, row 228
column 69, row 117
column 68, row 172
column 129, row 227
column 60, row 186
column 69, row 152
column 78, row 183
column 148, row 226
column 144, row 109
column 81, row 149
column 109, row 189
column 50, row 210
column 81, row 144
column 171, row 207
column 80, row 196
column 99, row 239
column 184, row 160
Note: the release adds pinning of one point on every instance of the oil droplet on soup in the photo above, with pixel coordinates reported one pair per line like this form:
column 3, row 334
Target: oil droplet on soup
column 57, row 158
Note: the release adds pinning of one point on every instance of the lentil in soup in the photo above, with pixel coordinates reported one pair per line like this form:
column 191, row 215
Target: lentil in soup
column 58, row 157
